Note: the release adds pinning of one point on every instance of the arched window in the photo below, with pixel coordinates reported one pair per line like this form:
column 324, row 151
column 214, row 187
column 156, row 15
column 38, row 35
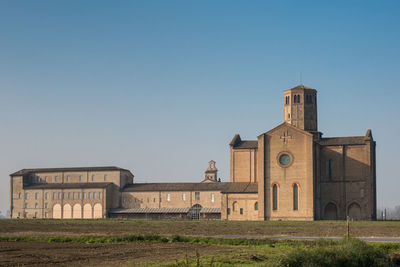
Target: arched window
column 256, row 206
column 275, row 197
column 234, row 206
column 298, row 98
column 330, row 169
column 295, row 99
column 295, row 197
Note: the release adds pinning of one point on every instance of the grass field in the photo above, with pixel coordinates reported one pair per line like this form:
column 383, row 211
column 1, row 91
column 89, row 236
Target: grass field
column 192, row 243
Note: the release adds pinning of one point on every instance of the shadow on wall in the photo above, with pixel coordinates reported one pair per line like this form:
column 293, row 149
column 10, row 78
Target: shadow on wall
column 345, row 186
column 130, row 202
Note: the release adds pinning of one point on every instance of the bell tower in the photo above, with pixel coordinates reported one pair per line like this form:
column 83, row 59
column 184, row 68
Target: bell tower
column 300, row 107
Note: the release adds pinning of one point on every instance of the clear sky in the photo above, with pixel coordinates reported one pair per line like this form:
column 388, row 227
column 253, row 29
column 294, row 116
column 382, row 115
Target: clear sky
column 161, row 87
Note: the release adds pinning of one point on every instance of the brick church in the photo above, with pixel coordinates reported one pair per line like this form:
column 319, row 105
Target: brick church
column 290, row 172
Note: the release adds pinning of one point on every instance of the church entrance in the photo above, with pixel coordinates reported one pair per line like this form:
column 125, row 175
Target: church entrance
column 330, row 212
column 194, row 212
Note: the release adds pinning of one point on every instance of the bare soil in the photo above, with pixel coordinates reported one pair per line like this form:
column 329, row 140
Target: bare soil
column 117, row 254
column 199, row 228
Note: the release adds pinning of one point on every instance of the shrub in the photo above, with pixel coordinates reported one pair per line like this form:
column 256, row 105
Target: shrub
column 346, row 253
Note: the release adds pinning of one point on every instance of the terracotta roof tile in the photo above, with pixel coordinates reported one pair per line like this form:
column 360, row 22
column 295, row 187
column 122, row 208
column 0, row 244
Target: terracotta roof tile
column 71, row 169
column 174, row 187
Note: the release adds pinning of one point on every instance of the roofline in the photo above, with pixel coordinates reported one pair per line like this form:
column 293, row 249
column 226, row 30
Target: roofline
column 289, row 125
column 67, row 169
column 300, row 85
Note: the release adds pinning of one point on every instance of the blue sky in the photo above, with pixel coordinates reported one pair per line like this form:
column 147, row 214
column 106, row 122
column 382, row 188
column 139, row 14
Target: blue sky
column 161, row 87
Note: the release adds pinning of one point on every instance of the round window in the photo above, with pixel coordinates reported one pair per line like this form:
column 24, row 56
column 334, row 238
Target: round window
column 284, row 159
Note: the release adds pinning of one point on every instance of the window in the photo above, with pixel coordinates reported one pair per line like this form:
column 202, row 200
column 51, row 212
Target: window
column 148, row 200
column 92, row 178
column 90, row 195
column 46, row 196
column 80, row 178
column 74, row 195
column 45, row 179
column 46, row 205
column 19, row 195
column 295, row 197
column 330, row 169
column 64, row 195
column 256, row 206
column 26, row 195
column 69, row 195
column 234, row 206
column 26, row 205
column 287, row 100
column 54, row 196
column 68, row 178
column 56, row 178
column 19, row 214
column 298, row 99
column 154, row 200
column 36, row 195
column 361, row 193
column 79, row 195
column 36, row 205
column 197, row 195
column 212, row 198
column 94, row 195
column 275, row 197
column 105, row 177
column 183, row 196
column 241, row 211
column 59, row 195
column 84, row 195
column 228, row 210
column 168, row 197
column 100, row 195
column 295, row 99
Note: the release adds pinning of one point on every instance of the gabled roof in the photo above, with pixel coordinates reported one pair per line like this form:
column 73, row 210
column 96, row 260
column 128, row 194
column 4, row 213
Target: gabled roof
column 66, row 185
column 150, row 187
column 241, row 187
column 70, row 169
column 285, row 124
column 235, row 140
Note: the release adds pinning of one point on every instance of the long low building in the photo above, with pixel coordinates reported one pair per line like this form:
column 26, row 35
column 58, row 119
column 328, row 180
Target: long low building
column 101, row 192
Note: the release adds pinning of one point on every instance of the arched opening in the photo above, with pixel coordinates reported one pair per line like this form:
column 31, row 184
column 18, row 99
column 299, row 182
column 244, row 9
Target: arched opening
column 256, row 206
column 295, row 197
column 354, row 211
column 67, row 211
column 330, row 212
column 97, row 211
column 57, row 211
column 275, row 197
column 330, row 169
column 194, row 212
column 77, row 211
column 87, row 211
column 234, row 206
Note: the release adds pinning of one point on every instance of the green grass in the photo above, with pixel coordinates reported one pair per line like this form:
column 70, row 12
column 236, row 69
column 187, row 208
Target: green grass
column 321, row 253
